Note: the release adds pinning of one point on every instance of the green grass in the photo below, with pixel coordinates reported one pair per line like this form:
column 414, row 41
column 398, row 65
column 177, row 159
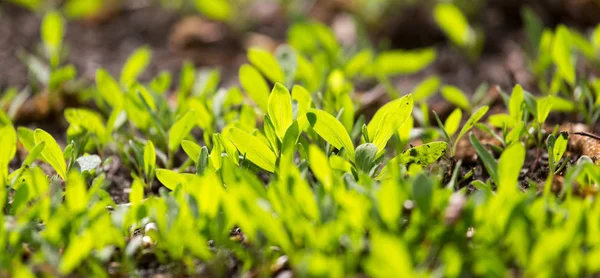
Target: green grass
column 287, row 160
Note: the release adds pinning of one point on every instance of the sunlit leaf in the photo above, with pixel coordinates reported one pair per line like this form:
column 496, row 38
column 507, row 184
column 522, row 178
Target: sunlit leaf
column 191, row 149
column 395, row 113
column 255, row 85
column 456, row 96
column 453, row 121
column 52, row 32
column 510, row 164
column 454, row 24
column 76, row 193
column 109, row 89
column 561, row 54
column 180, row 129
column 150, row 158
column 267, row 64
column 8, row 139
column 331, row 130
column 253, row 149
column 52, row 152
column 543, row 105
column 215, row 9
column 426, row 88
column 320, row 167
column 171, row 179
column 280, row 109
column 135, row 65
column 423, row 155
column 404, row 61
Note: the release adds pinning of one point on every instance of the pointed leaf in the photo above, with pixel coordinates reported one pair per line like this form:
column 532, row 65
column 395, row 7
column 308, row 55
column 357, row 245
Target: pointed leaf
column 391, row 121
column 280, row 109
column 52, row 152
column 8, row 139
column 255, row 85
column 475, row 117
column 253, row 148
column 267, row 64
column 328, row 127
column 180, row 129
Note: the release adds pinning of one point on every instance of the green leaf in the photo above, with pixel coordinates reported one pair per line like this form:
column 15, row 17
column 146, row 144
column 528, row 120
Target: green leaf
column 202, row 162
column 365, row 156
column 319, row 165
column 204, row 118
column 561, row 104
column 332, row 131
column 267, row 64
column 150, row 158
column 443, row 128
column 253, row 148
column 453, row 121
column 561, row 54
column 109, row 89
column 534, row 27
column 83, row 8
column 404, row 61
column 52, row 152
column 515, row 104
column 426, row 88
column 61, row 75
column 26, row 138
column 8, row 139
column 423, row 155
column 456, row 96
column 81, row 120
column 388, row 257
column 135, row 65
column 215, row 9
column 543, row 107
column 161, row 83
column 34, row 154
column 137, row 192
column 358, row 63
column 79, row 248
column 187, row 78
column 394, row 115
column 510, row 164
column 215, row 154
column 171, row 179
column 270, row 134
column 280, row 109
column 452, row 21
column 76, row 193
column 475, row 117
column 191, row 149
column 255, row 85
column 560, row 146
column 422, row 192
column 180, row 129
column 288, row 144
column 488, row 160
column 53, row 31
column 515, row 134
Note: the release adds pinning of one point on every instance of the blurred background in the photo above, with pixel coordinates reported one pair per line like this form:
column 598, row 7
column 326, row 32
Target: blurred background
column 217, row 33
